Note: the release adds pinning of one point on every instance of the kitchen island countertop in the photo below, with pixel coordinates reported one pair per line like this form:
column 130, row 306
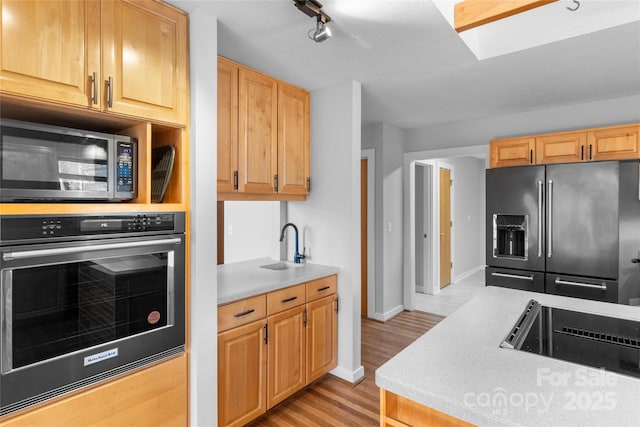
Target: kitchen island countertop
column 245, row 279
column 458, row 368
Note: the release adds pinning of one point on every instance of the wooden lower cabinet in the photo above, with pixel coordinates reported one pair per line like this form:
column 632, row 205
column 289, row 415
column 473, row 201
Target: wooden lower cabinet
column 264, row 362
column 398, row 411
column 322, row 337
column 286, row 355
column 154, row 396
column 242, row 374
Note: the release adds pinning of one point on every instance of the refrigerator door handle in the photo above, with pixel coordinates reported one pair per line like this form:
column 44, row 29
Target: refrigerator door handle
column 540, row 213
column 513, row 276
column 602, row 287
column 550, row 220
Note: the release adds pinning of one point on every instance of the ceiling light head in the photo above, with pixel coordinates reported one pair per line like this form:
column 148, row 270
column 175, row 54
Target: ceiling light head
column 321, row 32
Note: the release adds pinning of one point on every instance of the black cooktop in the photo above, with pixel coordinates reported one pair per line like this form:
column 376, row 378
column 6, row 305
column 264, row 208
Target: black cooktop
column 583, row 338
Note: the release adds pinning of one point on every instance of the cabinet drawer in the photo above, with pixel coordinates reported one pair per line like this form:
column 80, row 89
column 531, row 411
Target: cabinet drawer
column 285, row 298
column 241, row 312
column 322, row 287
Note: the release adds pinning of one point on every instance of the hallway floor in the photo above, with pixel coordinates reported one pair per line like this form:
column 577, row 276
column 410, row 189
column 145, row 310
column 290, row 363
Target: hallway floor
column 451, row 297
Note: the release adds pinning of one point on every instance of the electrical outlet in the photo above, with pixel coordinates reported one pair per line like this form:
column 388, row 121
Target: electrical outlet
column 230, row 229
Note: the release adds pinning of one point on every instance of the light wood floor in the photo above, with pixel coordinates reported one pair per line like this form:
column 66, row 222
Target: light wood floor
column 333, row 402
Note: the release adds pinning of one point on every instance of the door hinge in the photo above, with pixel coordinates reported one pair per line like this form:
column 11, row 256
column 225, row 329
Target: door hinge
column 304, row 318
column 450, row 223
column 451, row 264
column 275, row 182
column 308, row 185
column 450, row 182
column 235, row 180
column 266, row 333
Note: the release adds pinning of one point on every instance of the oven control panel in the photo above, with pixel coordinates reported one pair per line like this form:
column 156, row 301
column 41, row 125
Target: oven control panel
column 30, row 227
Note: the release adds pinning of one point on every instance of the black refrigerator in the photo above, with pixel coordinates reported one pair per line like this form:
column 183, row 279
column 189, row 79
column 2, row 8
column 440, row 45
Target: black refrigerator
column 556, row 229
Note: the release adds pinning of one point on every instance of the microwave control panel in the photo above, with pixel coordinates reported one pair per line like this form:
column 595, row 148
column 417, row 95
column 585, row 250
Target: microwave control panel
column 125, row 169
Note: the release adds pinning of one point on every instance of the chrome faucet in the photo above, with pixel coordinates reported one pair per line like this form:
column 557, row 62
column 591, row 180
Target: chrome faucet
column 297, row 256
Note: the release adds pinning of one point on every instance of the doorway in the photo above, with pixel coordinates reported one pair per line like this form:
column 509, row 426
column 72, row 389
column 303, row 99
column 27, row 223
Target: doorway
column 367, row 233
column 364, row 264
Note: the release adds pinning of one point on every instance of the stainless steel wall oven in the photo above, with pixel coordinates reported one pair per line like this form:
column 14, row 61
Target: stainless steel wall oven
column 84, row 298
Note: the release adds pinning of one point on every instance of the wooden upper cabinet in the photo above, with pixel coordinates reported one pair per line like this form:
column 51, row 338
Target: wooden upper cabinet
column 561, row 148
column 144, row 45
column 607, row 143
column 119, row 56
column 263, row 136
column 293, row 140
column 512, row 152
column 258, row 138
column 50, row 50
column 615, row 143
column 227, row 126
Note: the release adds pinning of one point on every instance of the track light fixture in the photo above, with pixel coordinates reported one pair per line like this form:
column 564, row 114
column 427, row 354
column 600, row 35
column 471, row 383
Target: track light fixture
column 312, row 8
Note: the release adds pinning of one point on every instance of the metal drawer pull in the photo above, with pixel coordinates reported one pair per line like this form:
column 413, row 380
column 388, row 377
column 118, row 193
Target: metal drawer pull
column 290, row 299
column 75, row 249
column 324, row 289
column 513, row 276
column 244, row 313
column 602, row 287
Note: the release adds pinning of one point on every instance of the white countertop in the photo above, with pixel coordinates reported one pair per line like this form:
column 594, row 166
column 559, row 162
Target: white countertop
column 458, row 368
column 245, row 279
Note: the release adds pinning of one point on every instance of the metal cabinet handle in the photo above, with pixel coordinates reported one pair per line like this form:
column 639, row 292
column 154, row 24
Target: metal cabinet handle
column 323, row 289
column 289, row 299
column 110, row 92
column 540, row 213
column 244, row 313
column 513, row 276
column 550, row 221
column 93, row 248
column 602, row 287
column 94, row 84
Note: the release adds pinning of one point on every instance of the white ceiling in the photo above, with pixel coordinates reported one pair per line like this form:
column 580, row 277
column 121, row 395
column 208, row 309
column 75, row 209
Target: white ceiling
column 414, row 68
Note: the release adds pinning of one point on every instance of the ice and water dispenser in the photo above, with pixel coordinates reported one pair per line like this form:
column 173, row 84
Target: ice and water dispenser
column 510, row 236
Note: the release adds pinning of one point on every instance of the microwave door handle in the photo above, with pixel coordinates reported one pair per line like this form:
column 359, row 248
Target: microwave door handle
column 540, row 214
column 91, row 248
column 550, row 220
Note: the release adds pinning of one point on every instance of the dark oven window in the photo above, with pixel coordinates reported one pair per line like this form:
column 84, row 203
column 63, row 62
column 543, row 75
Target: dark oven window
column 58, row 309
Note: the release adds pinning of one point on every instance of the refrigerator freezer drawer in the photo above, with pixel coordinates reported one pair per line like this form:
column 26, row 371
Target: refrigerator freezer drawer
column 580, row 287
column 515, row 279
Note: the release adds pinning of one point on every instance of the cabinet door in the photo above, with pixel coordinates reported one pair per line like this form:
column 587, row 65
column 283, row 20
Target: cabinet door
column 258, row 138
column 144, row 57
column 227, row 125
column 322, row 337
column 286, row 355
column 615, row 143
column 242, row 357
column 511, row 152
column 293, row 139
column 50, row 50
column 561, row 148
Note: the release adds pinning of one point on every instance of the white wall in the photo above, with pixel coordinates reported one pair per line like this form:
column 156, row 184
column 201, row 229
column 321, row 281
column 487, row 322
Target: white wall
column 331, row 214
column 389, row 141
column 203, row 362
column 252, row 230
column 478, row 132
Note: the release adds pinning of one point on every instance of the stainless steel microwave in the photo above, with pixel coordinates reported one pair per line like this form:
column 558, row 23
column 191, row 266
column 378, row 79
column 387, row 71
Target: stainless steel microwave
column 47, row 163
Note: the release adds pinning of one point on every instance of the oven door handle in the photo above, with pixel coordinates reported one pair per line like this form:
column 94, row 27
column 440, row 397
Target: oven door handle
column 7, row 256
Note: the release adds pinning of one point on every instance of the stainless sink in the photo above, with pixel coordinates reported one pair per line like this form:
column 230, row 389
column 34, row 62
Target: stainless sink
column 279, row 266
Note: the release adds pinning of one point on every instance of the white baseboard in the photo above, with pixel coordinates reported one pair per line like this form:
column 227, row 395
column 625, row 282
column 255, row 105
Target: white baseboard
column 347, row 375
column 467, row 273
column 383, row 317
